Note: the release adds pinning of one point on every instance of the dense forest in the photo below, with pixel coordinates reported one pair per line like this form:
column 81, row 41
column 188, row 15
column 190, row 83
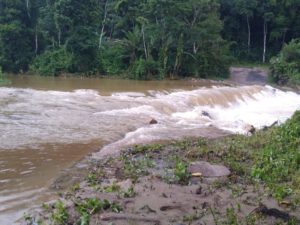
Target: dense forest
column 144, row 39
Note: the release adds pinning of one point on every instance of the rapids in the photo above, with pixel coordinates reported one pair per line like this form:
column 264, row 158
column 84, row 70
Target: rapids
column 44, row 130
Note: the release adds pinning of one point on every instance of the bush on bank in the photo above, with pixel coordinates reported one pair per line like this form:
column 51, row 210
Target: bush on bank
column 285, row 68
column 277, row 164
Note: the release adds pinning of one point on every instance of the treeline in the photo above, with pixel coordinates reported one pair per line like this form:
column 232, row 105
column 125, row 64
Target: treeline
column 144, row 39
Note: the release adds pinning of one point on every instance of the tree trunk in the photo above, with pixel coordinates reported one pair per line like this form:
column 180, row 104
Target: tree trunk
column 178, row 55
column 59, row 37
column 249, row 34
column 36, row 42
column 103, row 24
column 27, row 7
column 195, row 48
column 144, row 42
column 265, row 40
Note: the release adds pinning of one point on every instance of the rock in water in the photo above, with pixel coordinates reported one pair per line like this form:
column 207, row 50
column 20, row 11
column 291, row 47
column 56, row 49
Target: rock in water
column 250, row 129
column 204, row 113
column 153, row 121
column 208, row 170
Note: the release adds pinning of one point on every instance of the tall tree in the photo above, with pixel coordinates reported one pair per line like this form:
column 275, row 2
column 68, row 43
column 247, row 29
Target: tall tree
column 16, row 36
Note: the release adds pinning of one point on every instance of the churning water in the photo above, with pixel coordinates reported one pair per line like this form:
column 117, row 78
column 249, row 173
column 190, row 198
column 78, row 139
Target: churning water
column 45, row 128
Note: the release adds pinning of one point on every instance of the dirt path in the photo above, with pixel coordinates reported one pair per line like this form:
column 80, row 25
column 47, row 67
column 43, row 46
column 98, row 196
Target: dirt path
column 248, row 76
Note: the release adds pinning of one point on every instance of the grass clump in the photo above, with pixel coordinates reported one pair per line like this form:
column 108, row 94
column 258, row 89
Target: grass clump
column 136, row 167
column 59, row 215
column 278, row 163
column 95, row 177
column 181, row 173
column 139, row 149
column 129, row 193
column 91, row 206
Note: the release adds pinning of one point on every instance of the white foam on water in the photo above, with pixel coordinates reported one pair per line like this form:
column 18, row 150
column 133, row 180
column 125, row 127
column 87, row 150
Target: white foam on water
column 38, row 117
column 128, row 94
column 227, row 108
column 265, row 108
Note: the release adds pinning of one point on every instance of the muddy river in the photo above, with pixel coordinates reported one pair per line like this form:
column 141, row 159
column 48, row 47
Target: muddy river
column 47, row 124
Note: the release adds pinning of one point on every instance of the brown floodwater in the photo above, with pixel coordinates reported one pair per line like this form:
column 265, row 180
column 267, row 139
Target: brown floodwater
column 49, row 123
column 103, row 85
column 44, row 129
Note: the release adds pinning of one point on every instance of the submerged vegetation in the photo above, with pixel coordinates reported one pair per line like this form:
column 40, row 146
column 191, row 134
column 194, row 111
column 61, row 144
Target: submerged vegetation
column 263, row 167
column 142, row 39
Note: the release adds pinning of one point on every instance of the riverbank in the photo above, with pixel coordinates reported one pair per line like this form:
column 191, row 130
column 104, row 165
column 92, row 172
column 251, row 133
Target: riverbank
column 224, row 180
column 256, row 75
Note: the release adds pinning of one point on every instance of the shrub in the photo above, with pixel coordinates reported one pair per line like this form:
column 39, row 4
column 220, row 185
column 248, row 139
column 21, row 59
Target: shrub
column 112, row 59
column 279, row 161
column 3, row 80
column 52, row 62
column 144, row 69
column 60, row 214
column 285, row 68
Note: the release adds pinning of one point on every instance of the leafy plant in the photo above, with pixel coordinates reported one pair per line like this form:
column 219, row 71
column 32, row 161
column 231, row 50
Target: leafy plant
column 112, row 58
column 3, row 80
column 181, row 172
column 278, row 162
column 112, row 188
column 128, row 193
column 53, row 62
column 60, row 215
column 285, row 68
column 93, row 205
column 139, row 149
column 94, row 176
column 135, row 167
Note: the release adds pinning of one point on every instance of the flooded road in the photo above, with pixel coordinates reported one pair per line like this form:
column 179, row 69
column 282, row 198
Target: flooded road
column 47, row 124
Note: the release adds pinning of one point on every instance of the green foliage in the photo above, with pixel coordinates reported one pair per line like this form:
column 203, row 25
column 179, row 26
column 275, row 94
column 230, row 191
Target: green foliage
column 232, row 218
column 112, row 188
column 91, row 206
column 3, row 80
column 244, row 26
column 136, row 167
column 53, row 62
column 112, row 59
column 94, row 177
column 143, row 69
column 143, row 39
column 115, row 37
column 16, row 36
column 129, row 193
column 278, row 163
column 285, row 68
column 181, row 172
column 60, row 215
column 146, row 148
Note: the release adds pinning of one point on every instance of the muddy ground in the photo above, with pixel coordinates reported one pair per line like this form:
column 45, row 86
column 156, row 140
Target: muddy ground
column 180, row 182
